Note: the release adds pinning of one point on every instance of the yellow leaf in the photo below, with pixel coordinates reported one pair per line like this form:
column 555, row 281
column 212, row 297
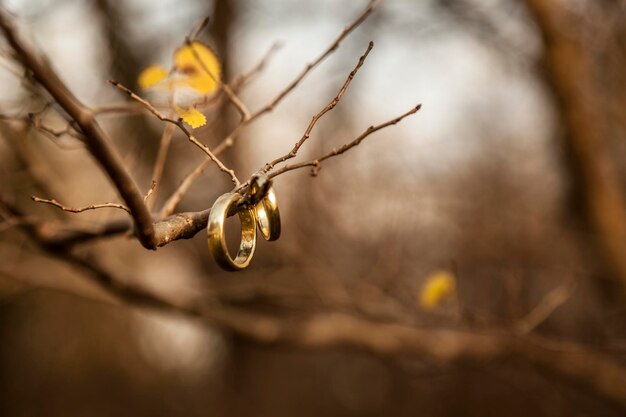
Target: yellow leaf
column 191, row 116
column 439, row 286
column 200, row 66
column 151, row 76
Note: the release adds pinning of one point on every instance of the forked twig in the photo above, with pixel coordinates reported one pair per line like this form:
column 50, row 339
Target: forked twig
column 318, row 116
column 316, row 163
column 80, row 209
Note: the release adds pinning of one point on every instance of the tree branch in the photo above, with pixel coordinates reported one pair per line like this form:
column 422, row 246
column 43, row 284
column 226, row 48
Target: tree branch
column 80, row 209
column 182, row 127
column 229, row 140
column 318, row 116
column 95, row 138
column 388, row 339
column 316, row 163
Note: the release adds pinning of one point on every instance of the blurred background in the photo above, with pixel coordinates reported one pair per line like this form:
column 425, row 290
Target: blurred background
column 508, row 185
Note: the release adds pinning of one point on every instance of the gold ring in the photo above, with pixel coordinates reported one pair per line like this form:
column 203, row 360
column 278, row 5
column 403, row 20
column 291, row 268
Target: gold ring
column 217, row 240
column 268, row 216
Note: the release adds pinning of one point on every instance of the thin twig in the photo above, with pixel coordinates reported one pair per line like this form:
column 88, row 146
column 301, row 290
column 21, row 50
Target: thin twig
column 153, row 185
column 120, row 108
column 177, row 196
column 203, row 24
column 318, row 116
column 245, row 78
column 290, row 87
column 81, row 209
column 69, row 129
column 316, row 163
column 182, row 127
column 159, row 165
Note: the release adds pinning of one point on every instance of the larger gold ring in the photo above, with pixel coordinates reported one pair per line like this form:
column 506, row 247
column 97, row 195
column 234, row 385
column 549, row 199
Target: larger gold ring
column 217, row 240
column 268, row 216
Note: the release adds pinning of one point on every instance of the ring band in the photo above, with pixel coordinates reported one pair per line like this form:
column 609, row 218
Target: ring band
column 216, row 235
column 268, row 216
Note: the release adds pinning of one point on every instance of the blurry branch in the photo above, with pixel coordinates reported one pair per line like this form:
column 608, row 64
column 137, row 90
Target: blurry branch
column 289, row 88
column 81, row 209
column 120, row 108
column 181, row 126
column 36, row 120
column 56, row 235
column 95, row 138
column 548, row 305
column 195, row 32
column 488, row 27
column 390, row 339
column 318, row 116
column 159, row 164
column 245, row 78
column 170, row 205
column 67, row 131
column 567, row 67
column 316, row 163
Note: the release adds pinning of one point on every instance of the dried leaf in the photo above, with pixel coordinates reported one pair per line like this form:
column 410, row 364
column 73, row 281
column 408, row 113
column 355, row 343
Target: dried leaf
column 439, row 286
column 191, row 116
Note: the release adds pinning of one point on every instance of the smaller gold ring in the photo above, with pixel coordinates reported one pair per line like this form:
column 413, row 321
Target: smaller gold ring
column 268, row 216
column 216, row 235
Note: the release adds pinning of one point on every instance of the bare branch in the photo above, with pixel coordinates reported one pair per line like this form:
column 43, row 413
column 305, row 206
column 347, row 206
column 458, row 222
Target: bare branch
column 67, row 131
column 81, row 209
column 120, row 108
column 153, row 185
column 316, row 163
column 182, row 127
column 390, row 340
column 177, row 196
column 229, row 140
column 95, row 138
column 159, row 165
column 197, row 30
column 290, row 87
column 548, row 305
column 245, row 78
column 318, row 116
column 66, row 235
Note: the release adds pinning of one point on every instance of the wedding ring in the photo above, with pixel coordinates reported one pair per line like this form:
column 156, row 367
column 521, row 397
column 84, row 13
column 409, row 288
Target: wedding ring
column 268, row 216
column 216, row 235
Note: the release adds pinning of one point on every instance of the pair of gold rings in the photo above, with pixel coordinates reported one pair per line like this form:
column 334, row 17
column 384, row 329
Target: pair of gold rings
column 265, row 214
